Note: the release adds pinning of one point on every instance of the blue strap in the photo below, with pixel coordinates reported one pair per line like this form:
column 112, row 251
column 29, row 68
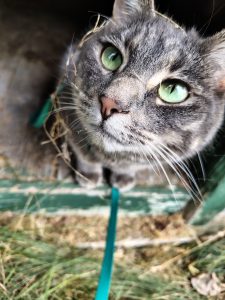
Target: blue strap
column 40, row 117
column 107, row 264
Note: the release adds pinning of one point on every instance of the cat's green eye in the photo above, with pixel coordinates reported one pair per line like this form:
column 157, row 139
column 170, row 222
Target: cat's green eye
column 173, row 91
column 111, row 58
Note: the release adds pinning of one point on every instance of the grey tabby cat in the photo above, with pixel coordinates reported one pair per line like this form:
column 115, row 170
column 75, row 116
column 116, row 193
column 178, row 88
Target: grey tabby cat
column 142, row 91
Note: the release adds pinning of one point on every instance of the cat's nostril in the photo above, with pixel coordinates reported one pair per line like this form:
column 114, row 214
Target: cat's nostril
column 109, row 107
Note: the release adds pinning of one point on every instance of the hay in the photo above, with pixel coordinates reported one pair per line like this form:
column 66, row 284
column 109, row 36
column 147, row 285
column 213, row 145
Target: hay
column 38, row 260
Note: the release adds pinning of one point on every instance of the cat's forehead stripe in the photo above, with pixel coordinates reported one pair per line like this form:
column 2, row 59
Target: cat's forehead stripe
column 157, row 78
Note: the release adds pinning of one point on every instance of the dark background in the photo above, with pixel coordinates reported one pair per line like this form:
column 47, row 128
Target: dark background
column 206, row 15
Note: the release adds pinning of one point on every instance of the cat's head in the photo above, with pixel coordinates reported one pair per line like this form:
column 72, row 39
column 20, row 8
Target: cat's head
column 148, row 85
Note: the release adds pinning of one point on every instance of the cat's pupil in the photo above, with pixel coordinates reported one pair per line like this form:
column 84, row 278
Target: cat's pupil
column 171, row 88
column 173, row 92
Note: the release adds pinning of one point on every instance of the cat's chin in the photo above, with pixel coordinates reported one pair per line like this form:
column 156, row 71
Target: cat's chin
column 110, row 144
column 106, row 141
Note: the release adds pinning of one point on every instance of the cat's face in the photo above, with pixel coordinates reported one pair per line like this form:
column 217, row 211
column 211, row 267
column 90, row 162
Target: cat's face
column 163, row 86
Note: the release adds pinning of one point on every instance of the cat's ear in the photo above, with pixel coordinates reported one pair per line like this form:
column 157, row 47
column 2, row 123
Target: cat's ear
column 214, row 51
column 123, row 9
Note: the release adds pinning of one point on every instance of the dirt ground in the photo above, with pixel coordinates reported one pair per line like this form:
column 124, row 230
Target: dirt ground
column 76, row 229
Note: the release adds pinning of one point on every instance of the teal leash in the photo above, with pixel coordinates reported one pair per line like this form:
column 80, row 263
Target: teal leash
column 39, row 118
column 107, row 264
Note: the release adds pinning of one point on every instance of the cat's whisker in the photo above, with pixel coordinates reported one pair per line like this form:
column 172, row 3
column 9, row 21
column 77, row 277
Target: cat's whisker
column 146, row 158
column 71, row 105
column 115, row 151
column 97, row 14
column 181, row 165
column 187, row 186
column 66, row 92
column 65, row 108
column 88, row 132
column 72, row 84
column 74, row 123
column 175, row 159
column 68, row 105
column 151, row 164
column 202, row 166
column 71, row 102
column 155, row 157
column 207, row 24
column 67, row 98
column 63, row 104
column 77, row 121
column 164, row 172
column 80, row 142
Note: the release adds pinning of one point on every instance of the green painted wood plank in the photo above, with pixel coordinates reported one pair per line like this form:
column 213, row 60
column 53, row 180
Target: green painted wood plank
column 214, row 194
column 214, row 203
column 67, row 197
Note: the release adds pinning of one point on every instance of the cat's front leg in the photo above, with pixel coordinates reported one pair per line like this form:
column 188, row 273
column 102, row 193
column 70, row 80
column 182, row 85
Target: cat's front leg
column 123, row 178
column 89, row 174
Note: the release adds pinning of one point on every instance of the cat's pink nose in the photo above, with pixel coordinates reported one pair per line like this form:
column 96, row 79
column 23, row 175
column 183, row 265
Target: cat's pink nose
column 109, row 107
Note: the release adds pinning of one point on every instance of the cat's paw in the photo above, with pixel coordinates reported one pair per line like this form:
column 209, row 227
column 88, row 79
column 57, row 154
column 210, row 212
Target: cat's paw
column 89, row 180
column 123, row 182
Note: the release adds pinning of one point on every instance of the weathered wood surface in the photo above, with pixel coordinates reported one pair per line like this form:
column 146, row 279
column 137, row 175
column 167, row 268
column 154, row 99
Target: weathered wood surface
column 67, row 198
column 31, row 45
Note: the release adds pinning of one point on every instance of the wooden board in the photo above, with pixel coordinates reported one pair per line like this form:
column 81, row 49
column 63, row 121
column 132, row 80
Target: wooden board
column 214, row 194
column 62, row 197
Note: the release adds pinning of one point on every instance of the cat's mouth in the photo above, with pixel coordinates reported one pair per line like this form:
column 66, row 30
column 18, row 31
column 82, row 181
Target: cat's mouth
column 114, row 129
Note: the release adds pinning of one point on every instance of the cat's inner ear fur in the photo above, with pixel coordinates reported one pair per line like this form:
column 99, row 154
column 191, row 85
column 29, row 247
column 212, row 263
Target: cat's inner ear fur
column 123, row 9
column 214, row 49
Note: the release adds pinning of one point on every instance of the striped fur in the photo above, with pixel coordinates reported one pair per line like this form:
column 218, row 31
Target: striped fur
column 154, row 48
